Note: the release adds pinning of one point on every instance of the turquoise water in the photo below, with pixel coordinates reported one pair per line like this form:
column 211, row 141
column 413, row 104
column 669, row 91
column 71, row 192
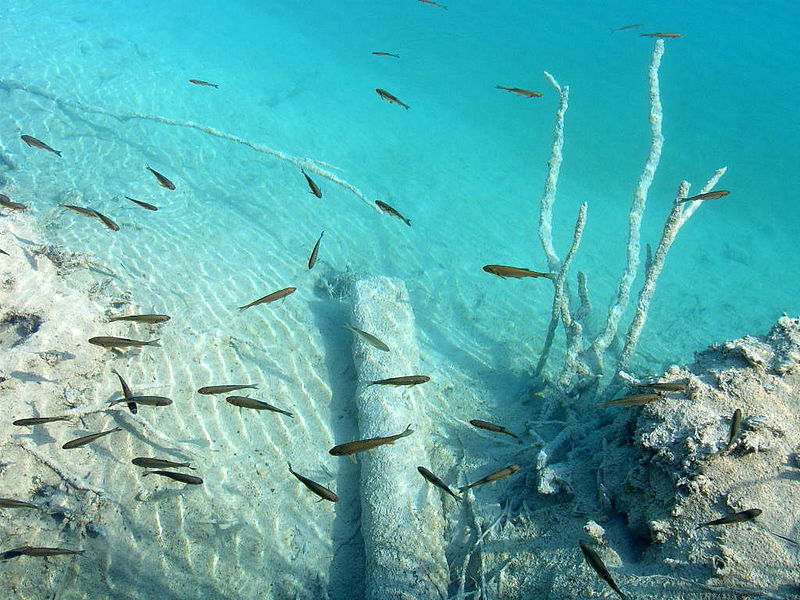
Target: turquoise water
column 466, row 163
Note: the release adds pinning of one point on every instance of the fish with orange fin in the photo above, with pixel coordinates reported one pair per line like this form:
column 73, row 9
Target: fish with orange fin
column 390, row 98
column 201, row 82
column 162, row 181
column 515, row 272
column 520, row 92
column 661, row 35
column 34, row 143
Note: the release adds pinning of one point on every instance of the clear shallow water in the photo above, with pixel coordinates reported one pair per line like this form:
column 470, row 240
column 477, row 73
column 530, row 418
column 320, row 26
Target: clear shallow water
column 466, row 164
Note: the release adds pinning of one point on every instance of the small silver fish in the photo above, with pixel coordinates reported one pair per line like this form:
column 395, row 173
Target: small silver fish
column 88, row 439
column 182, row 477
column 224, row 389
column 11, row 503
column 736, row 423
column 245, row 402
column 319, row 490
column 596, row 563
column 158, row 463
column 368, row 338
column 739, row 517
column 312, row 260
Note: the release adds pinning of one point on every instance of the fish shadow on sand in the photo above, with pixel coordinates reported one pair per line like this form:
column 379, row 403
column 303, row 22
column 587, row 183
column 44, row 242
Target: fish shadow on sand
column 38, row 434
column 29, row 377
column 348, row 556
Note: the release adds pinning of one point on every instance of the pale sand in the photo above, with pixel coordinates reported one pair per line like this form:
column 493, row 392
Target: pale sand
column 647, row 476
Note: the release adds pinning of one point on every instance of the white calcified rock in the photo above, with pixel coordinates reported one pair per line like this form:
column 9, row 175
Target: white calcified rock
column 401, row 519
column 595, row 531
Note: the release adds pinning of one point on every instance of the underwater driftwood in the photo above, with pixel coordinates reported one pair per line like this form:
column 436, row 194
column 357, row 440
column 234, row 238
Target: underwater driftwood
column 587, row 363
column 402, row 525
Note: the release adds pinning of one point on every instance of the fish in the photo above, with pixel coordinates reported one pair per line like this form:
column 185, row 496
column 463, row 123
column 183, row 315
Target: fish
column 492, row 427
column 224, row 389
column 126, row 392
column 505, row 472
column 312, row 260
column 404, row 380
column 437, row 482
column 368, row 444
column 313, row 188
column 596, row 563
column 201, row 82
column 386, row 54
column 661, row 35
column 87, row 439
column 626, row 27
column 632, row 400
column 392, row 212
column 118, row 342
column 739, row 517
column 162, row 181
column 182, row 477
column 319, row 490
column 432, row 3
column 270, row 297
column 520, row 92
column 11, row 503
column 158, row 463
column 145, row 400
column 503, row 271
column 86, row 212
column 34, row 143
column 245, row 402
column 706, row 196
column 391, row 99
column 368, row 337
column 38, row 421
column 142, row 204
column 36, row 551
column 670, row 386
column 736, row 423
column 142, row 318
column 6, row 202
column 106, row 221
